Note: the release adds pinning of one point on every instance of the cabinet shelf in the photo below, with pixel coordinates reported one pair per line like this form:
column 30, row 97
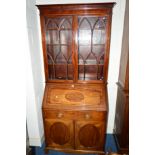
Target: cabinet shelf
column 79, row 44
column 58, row 44
column 60, row 78
column 60, row 64
column 92, row 29
column 90, row 64
column 92, row 44
column 54, row 29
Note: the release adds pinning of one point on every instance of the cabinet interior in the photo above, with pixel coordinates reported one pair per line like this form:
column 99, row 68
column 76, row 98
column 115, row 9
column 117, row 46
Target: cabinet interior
column 91, row 41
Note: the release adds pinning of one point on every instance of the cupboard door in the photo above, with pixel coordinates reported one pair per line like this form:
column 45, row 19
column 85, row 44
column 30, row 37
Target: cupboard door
column 59, row 47
column 89, row 135
column 91, row 47
column 59, row 133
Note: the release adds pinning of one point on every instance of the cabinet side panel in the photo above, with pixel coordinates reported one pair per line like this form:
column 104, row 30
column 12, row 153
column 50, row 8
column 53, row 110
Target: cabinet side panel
column 121, row 129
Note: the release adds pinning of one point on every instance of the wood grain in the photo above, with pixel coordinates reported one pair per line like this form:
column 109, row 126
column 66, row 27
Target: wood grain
column 59, row 133
column 89, row 135
column 75, row 12
column 75, row 106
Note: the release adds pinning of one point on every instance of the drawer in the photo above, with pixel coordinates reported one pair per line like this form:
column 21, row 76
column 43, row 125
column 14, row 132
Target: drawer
column 75, row 115
column 91, row 115
column 58, row 114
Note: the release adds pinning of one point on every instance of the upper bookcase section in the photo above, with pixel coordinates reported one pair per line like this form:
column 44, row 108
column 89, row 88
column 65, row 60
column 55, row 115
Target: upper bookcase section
column 76, row 42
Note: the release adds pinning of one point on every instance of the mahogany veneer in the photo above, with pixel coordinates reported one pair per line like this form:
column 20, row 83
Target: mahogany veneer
column 121, row 128
column 76, row 43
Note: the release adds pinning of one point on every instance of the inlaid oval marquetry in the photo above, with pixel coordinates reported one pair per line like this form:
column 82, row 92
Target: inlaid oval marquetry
column 74, row 96
column 59, row 133
column 89, row 136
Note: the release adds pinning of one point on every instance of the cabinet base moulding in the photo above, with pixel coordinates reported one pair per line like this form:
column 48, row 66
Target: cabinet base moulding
column 47, row 149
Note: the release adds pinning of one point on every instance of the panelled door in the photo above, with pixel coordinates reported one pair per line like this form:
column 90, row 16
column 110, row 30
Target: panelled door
column 89, row 135
column 59, row 133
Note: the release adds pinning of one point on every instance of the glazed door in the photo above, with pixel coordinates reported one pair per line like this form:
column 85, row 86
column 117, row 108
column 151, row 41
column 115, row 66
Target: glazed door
column 76, row 47
column 89, row 135
column 59, row 133
column 92, row 32
column 58, row 38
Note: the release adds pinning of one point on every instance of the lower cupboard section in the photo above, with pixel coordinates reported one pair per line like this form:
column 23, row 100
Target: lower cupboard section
column 59, row 134
column 89, row 135
column 79, row 135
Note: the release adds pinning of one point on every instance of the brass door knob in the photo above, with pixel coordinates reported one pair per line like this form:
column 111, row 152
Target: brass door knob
column 87, row 116
column 60, row 115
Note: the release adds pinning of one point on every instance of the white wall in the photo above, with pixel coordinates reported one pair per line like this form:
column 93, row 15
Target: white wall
column 35, row 77
column 37, row 61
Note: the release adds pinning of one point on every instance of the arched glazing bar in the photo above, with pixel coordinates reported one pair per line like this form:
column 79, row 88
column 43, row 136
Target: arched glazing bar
column 59, row 51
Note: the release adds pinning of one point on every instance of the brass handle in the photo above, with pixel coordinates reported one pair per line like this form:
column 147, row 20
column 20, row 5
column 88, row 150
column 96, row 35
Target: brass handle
column 87, row 116
column 59, row 115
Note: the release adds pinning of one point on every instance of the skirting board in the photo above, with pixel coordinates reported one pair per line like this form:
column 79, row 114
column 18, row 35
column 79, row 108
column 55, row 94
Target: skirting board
column 36, row 141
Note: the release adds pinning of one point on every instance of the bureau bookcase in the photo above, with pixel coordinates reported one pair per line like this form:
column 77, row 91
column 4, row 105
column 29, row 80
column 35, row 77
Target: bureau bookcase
column 76, row 44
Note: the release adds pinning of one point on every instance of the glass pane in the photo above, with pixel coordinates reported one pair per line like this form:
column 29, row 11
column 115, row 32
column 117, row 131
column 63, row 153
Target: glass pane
column 67, row 52
column 90, row 72
column 60, row 58
column 51, row 23
column 52, row 37
column 59, row 47
column 91, row 59
column 100, row 23
column 99, row 37
column 91, row 42
column 66, row 36
column 53, row 51
column 84, row 37
column 99, row 50
column 84, row 52
column 60, row 71
column 84, row 23
column 66, row 24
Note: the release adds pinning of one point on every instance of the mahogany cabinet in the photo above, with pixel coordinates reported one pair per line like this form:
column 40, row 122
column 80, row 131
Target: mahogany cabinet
column 76, row 44
column 121, row 126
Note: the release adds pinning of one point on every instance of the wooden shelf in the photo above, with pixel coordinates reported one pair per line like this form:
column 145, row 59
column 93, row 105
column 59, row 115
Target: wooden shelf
column 92, row 29
column 79, row 44
column 92, row 44
column 79, row 64
column 61, row 78
column 91, row 64
column 58, row 44
column 60, row 64
column 58, row 29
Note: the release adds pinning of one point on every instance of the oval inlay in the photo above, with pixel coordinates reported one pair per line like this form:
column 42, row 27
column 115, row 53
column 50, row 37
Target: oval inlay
column 59, row 133
column 89, row 135
column 74, row 96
